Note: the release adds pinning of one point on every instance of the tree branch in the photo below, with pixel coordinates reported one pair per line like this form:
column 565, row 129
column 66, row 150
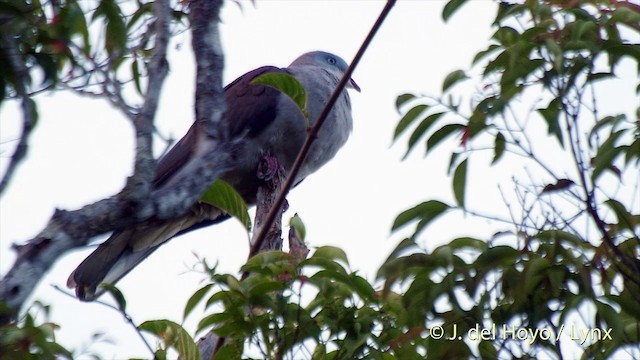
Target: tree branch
column 71, row 229
column 272, row 175
column 209, row 102
column 29, row 115
column 139, row 185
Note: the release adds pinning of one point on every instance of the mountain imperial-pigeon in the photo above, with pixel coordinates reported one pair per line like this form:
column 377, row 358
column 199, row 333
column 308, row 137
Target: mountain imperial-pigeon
column 270, row 123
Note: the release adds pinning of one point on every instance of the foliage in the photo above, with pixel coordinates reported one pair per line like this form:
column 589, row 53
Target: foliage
column 571, row 254
column 94, row 48
column 29, row 339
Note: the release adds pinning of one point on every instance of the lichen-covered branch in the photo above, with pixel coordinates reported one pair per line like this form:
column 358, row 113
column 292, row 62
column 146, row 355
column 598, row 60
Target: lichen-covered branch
column 207, row 49
column 139, row 185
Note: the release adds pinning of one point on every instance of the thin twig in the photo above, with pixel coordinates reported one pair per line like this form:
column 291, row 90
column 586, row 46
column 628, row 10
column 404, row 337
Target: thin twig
column 126, row 315
column 588, row 188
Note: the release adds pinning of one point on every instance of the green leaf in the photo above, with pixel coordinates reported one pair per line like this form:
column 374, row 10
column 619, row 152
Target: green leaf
column 402, row 247
column 426, row 212
column 498, row 64
column 625, row 219
column 288, row 85
column 195, row 299
column 450, row 8
column 331, row 253
column 497, row 256
column 607, row 152
column 116, row 31
column 408, row 118
column 506, row 35
column 230, row 350
column 624, row 15
column 403, row 99
column 498, row 148
column 482, row 54
column 298, row 225
column 459, row 182
column 604, row 161
column 487, row 350
column 421, row 129
column 441, row 134
column 272, row 262
column 323, row 263
column 633, row 151
column 135, row 72
column 117, row 295
column 453, row 78
column 212, row 320
column 144, row 9
column 452, row 161
column 468, row 242
column 173, row 335
column 78, row 25
column 226, row 198
column 534, row 271
column 362, row 287
column 552, row 116
column 612, row 121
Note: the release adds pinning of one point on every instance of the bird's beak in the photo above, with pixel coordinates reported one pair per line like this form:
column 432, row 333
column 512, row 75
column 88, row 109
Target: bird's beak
column 352, row 84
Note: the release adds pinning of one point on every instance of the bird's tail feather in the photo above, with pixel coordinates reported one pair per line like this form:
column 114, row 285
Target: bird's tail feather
column 124, row 250
column 120, row 253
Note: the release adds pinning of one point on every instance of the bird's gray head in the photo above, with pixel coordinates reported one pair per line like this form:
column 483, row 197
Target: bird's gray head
column 326, row 60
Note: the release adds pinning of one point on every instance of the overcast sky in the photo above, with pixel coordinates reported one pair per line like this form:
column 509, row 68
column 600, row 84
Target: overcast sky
column 81, row 151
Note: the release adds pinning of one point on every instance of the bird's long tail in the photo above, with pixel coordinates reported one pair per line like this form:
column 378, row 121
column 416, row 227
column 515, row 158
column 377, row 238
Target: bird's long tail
column 124, row 250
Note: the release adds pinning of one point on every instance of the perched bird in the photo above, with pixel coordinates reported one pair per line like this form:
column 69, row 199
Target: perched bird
column 270, row 123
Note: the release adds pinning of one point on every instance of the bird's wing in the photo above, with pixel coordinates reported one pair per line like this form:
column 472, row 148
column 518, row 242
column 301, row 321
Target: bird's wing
column 250, row 108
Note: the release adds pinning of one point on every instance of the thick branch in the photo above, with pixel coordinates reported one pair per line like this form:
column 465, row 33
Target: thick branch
column 29, row 115
column 205, row 41
column 272, row 175
column 140, row 183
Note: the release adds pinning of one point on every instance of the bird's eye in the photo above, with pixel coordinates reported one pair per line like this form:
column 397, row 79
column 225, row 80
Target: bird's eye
column 331, row 60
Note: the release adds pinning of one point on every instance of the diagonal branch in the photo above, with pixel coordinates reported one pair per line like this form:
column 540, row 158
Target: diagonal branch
column 275, row 210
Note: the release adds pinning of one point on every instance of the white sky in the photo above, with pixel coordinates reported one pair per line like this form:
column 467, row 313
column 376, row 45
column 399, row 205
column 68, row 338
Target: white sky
column 81, row 151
